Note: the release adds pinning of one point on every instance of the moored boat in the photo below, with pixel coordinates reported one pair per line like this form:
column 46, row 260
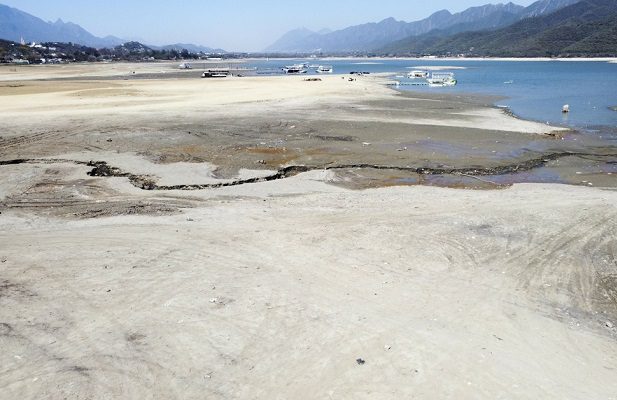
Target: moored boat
column 440, row 79
column 418, row 74
column 325, row 69
column 295, row 69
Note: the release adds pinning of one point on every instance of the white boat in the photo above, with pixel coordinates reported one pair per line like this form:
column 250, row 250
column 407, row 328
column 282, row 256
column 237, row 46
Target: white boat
column 295, row 69
column 440, row 79
column 418, row 74
column 325, row 69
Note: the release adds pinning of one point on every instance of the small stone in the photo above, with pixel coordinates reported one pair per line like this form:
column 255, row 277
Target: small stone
column 387, row 347
column 360, row 361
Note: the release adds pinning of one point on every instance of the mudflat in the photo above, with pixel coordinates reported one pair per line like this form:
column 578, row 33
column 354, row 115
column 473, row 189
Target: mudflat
column 269, row 237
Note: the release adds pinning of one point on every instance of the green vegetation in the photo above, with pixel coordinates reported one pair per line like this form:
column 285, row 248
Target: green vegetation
column 70, row 52
column 587, row 28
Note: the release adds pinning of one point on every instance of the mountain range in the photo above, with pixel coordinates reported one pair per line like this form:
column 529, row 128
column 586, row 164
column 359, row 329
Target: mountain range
column 16, row 25
column 545, row 28
column 367, row 37
column 588, row 27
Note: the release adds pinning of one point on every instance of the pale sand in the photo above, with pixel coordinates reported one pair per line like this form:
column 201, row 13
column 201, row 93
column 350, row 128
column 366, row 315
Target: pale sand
column 150, row 101
column 273, row 290
column 444, row 293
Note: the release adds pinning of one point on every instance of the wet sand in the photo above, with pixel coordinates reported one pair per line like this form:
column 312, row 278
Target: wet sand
column 290, row 229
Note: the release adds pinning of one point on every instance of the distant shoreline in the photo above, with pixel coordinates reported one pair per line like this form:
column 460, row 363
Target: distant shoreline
column 514, row 59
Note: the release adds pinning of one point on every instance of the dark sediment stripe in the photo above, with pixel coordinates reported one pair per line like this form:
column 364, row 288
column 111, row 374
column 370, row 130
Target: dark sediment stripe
column 102, row 169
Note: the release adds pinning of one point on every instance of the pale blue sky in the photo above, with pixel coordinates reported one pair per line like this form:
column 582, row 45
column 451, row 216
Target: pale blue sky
column 241, row 25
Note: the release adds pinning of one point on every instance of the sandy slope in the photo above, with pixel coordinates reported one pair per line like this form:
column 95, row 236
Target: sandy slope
column 275, row 290
column 444, row 294
column 34, row 104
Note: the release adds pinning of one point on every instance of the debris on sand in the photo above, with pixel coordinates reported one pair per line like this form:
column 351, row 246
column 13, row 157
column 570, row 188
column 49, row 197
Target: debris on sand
column 360, row 361
column 103, row 169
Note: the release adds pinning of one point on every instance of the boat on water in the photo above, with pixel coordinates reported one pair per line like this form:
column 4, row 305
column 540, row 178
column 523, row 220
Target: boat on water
column 295, row 69
column 441, row 79
column 325, row 69
column 418, row 74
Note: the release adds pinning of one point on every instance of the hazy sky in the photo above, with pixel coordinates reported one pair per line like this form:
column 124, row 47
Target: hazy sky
column 234, row 25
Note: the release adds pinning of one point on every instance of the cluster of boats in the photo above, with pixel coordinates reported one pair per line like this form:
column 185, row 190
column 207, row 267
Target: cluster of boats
column 418, row 77
column 436, row 79
column 304, row 68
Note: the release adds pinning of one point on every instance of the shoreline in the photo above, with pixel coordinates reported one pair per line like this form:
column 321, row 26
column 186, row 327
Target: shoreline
column 452, row 130
column 513, row 59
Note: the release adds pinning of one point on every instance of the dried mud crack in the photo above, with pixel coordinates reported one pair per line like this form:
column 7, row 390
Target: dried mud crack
column 146, row 182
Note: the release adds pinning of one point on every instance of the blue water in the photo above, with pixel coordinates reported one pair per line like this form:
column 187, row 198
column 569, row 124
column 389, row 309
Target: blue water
column 537, row 91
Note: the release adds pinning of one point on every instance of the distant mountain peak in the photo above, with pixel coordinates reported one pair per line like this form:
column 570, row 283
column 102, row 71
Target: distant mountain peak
column 370, row 36
column 15, row 24
column 441, row 13
column 388, row 20
column 544, row 29
column 547, row 6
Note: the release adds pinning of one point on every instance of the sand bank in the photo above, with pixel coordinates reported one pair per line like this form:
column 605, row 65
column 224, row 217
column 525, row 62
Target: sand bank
column 297, row 287
column 255, row 294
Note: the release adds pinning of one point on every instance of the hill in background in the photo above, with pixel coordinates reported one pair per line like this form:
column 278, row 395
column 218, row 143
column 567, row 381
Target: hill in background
column 587, row 28
column 16, row 24
column 367, row 37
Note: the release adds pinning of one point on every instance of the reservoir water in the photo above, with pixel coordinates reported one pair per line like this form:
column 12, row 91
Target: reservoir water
column 534, row 90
